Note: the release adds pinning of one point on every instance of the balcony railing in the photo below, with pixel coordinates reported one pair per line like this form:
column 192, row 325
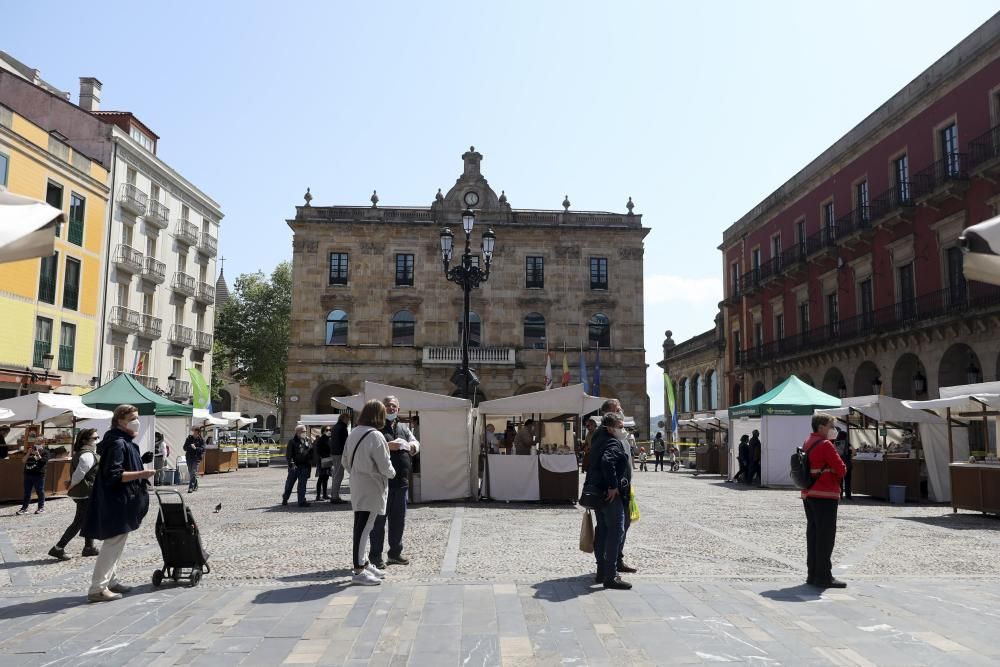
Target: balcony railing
column 133, row 199
column 984, row 148
column 907, row 314
column 487, row 356
column 202, row 340
column 205, row 293
column 71, row 297
column 186, row 232
column 208, row 244
column 858, row 220
column 66, row 357
column 949, row 170
column 154, row 270
column 124, row 319
column 183, row 284
column 150, row 327
column 147, row 381
column 42, row 347
column 180, row 389
column 180, row 335
column 47, row 289
column 159, row 215
column 128, row 258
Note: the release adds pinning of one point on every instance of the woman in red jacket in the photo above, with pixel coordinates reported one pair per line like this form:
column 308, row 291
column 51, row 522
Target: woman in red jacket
column 820, row 501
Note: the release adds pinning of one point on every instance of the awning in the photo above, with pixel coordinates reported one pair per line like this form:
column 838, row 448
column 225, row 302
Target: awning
column 202, row 417
column 40, row 408
column 791, row 397
column 27, row 227
column 882, row 409
column 982, row 245
column 966, row 403
column 410, row 400
column 235, row 419
column 559, row 401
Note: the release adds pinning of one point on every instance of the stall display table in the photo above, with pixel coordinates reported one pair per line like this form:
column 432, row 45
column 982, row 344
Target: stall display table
column 57, row 476
column 220, row 459
column 513, row 477
column 872, row 477
column 558, row 478
column 975, row 487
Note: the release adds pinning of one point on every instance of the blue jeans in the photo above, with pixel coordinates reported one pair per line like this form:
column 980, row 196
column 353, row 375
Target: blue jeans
column 193, row 474
column 599, row 531
column 614, row 515
column 395, row 516
column 298, row 474
column 36, row 482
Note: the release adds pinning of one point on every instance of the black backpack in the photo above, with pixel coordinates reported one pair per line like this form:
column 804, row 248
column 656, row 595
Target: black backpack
column 800, row 471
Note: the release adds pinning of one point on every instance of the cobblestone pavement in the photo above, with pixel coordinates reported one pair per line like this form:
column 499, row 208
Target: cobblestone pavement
column 720, row 578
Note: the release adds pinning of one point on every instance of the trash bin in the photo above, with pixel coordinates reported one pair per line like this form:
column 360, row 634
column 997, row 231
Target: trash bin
column 897, row 494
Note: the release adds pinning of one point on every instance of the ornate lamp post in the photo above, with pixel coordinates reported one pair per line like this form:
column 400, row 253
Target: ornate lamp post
column 467, row 275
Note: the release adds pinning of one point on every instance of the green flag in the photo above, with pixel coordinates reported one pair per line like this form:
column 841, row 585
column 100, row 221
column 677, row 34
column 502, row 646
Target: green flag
column 668, row 386
column 199, row 389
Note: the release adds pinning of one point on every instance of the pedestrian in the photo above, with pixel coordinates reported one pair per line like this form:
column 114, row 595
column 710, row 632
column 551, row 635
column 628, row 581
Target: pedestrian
column 36, row 460
column 820, row 501
column 298, row 454
column 743, row 458
column 632, row 447
column 366, row 457
column 591, row 427
column 403, row 446
column 847, row 456
column 492, row 440
column 83, row 469
column 525, row 439
column 672, row 454
column 119, row 501
column 659, row 448
column 323, row 460
column 615, row 479
column 338, row 437
column 4, row 449
column 194, row 451
column 756, row 476
column 642, row 460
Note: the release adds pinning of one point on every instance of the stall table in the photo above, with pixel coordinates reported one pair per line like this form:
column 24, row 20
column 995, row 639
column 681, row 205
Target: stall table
column 558, row 478
column 220, row 459
column 513, row 477
column 975, row 487
column 872, row 477
column 57, row 476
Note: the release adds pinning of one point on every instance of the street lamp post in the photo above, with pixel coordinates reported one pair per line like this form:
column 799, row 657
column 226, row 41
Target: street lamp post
column 467, row 276
column 47, row 366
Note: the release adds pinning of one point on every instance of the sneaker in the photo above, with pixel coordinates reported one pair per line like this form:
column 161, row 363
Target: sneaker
column 377, row 571
column 397, row 560
column 58, row 552
column 91, row 551
column 623, row 567
column 40, row 510
column 23, row 510
column 365, row 578
column 617, row 583
column 119, row 587
column 104, row 596
column 378, row 563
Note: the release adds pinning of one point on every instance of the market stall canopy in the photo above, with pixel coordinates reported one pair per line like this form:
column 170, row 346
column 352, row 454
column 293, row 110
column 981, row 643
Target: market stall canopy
column 958, row 404
column 236, row 419
column 4, row 413
column 202, row 417
column 319, row 420
column 791, row 397
column 883, row 409
column 560, row 401
column 52, row 408
column 27, row 227
column 410, row 400
column 125, row 390
column 982, row 245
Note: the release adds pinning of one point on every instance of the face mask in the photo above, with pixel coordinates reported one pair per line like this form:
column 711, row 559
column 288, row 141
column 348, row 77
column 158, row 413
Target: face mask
column 133, row 426
column 619, row 433
column 391, row 416
column 832, row 434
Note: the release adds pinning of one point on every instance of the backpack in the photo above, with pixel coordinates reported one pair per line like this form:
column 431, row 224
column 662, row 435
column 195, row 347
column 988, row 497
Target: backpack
column 799, row 471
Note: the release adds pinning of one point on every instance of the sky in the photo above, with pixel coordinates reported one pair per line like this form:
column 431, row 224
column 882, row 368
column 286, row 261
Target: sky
column 695, row 110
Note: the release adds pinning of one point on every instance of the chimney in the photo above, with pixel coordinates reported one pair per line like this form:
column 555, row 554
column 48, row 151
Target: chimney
column 90, row 93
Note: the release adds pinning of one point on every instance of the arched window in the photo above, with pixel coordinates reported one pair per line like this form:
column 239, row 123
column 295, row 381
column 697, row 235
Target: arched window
column 403, row 325
column 258, row 421
column 696, row 393
column 687, row 394
column 271, row 422
column 534, row 331
column 475, row 330
column 599, row 331
column 336, row 328
column 713, row 390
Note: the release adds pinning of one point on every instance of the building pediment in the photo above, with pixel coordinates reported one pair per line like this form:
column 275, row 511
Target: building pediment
column 471, row 181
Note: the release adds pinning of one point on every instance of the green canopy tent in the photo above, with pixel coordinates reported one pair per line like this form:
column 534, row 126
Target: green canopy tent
column 125, row 390
column 785, row 415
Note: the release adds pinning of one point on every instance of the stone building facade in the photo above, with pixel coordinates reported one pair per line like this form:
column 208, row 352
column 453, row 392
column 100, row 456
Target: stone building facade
column 695, row 366
column 850, row 274
column 370, row 300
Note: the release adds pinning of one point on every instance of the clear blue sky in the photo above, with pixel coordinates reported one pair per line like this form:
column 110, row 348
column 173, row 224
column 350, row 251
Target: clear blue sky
column 695, row 110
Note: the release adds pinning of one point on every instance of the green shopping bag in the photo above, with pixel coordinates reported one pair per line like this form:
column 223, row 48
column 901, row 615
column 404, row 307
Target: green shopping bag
column 633, row 507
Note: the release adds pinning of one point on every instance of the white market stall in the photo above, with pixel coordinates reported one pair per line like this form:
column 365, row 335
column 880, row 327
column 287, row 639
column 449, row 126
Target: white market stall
column 709, row 457
column 445, row 469
column 541, row 476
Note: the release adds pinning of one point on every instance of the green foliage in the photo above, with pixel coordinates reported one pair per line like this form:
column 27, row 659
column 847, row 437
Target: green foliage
column 253, row 330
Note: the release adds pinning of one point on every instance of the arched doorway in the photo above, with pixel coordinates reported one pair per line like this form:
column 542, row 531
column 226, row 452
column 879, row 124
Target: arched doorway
column 865, row 376
column 271, row 423
column 959, row 365
column 225, row 402
column 833, row 383
column 258, row 421
column 323, row 405
column 758, row 389
column 909, row 378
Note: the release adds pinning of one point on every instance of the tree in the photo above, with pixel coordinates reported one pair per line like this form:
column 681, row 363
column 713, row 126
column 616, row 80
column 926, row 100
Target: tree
column 253, row 329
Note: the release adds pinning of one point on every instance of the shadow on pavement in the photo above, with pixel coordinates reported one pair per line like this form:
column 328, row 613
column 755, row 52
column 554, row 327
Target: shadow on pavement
column 43, row 607
column 28, row 563
column 798, row 593
column 305, row 593
column 566, row 588
column 737, row 486
column 958, row 521
column 314, row 506
column 321, row 575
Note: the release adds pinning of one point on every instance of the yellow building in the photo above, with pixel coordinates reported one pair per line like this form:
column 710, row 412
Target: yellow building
column 52, row 306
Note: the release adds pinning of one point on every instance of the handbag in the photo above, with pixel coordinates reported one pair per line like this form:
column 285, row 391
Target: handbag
column 587, row 533
column 591, row 497
column 326, row 462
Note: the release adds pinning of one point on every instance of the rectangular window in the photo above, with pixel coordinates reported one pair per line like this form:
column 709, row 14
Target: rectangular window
column 338, row 268
column 901, row 178
column 734, row 274
column 77, row 206
column 179, row 314
column 151, row 246
column 47, row 276
column 758, row 334
column 147, row 304
column 118, row 358
column 736, row 348
column 54, row 197
column 833, row 313
column 123, row 295
column 154, row 192
column 776, row 245
column 43, row 340
column 861, row 200
column 599, row 273
column 866, row 304
column 203, row 273
column 182, row 262
column 130, row 175
column 907, row 291
column 779, row 327
column 404, row 270
column 829, row 225
column 956, row 276
column 949, row 149
column 534, row 272
column 127, row 236
column 755, row 260
column 803, row 317
column 4, row 167
column 67, row 346
column 71, row 284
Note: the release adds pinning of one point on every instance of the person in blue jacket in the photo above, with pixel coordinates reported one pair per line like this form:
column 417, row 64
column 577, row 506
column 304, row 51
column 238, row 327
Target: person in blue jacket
column 118, row 502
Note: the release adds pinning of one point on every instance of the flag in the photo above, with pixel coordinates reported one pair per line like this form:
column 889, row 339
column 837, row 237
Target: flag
column 548, row 371
column 140, row 367
column 199, row 389
column 671, row 405
column 565, row 377
column 596, row 384
column 583, row 373
column 135, row 362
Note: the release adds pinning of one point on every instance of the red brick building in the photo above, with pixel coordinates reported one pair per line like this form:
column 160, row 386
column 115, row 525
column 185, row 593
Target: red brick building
column 850, row 275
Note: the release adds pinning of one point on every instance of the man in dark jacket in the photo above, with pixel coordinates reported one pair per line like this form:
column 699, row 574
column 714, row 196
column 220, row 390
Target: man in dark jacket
column 35, row 462
column 298, row 453
column 338, row 437
column 194, row 451
column 616, row 473
column 755, row 459
column 403, row 446
column 743, row 457
column 323, row 460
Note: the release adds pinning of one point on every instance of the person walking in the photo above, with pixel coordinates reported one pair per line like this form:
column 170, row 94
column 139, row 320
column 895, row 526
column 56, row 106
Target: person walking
column 366, row 457
column 403, row 446
column 843, row 446
column 659, row 448
column 194, row 452
column 616, row 481
column 35, row 462
column 820, row 502
column 83, row 472
column 338, row 437
column 756, row 476
column 323, row 460
column 743, row 458
column 119, row 501
column 298, row 454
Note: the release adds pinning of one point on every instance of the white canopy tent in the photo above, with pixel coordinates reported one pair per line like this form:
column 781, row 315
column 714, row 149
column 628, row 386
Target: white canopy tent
column 447, row 466
column 4, row 413
column 202, row 417
column 319, row 420
column 56, row 409
column 559, row 401
column 27, row 227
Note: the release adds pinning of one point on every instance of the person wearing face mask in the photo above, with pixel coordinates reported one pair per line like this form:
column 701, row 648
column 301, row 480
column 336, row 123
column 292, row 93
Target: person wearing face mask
column 323, row 460
column 118, row 501
column 403, row 446
column 821, row 500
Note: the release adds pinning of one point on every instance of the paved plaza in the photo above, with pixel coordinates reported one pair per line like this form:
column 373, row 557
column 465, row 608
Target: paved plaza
column 721, row 572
